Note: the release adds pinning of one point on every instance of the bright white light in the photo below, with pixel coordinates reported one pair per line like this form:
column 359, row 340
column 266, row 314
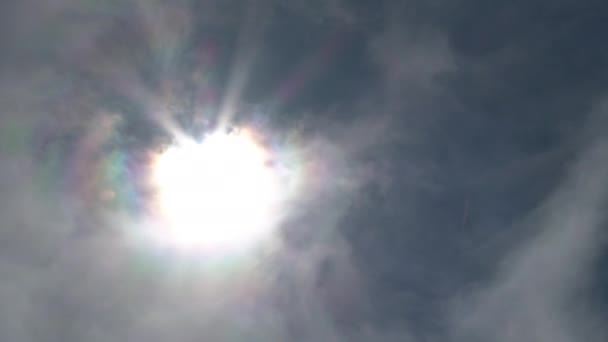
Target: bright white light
column 218, row 194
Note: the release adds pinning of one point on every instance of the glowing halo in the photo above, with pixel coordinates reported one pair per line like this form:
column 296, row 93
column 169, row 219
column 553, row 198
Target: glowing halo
column 218, row 194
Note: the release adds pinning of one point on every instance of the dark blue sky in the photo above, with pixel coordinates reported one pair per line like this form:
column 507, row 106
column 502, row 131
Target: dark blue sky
column 465, row 152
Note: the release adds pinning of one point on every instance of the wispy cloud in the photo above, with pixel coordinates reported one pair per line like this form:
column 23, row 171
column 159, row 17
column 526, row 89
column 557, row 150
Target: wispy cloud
column 539, row 291
column 91, row 82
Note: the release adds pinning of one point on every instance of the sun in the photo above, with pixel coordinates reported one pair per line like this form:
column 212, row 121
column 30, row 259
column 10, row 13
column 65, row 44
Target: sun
column 218, row 194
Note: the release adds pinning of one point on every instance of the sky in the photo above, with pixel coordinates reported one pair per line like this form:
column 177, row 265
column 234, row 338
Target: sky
column 454, row 153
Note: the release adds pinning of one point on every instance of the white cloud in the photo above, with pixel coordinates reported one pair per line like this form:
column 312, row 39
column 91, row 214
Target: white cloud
column 538, row 293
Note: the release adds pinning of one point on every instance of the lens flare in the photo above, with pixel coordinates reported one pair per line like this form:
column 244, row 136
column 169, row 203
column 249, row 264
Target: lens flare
column 220, row 193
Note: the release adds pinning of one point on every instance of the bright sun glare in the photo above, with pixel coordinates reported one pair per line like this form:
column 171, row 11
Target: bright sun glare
column 220, row 193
